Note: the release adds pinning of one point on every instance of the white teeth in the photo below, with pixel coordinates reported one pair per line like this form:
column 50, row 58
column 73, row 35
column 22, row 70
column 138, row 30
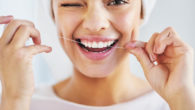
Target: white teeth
column 106, row 44
column 89, row 44
column 97, row 44
column 94, row 45
column 84, row 43
column 100, row 45
column 111, row 42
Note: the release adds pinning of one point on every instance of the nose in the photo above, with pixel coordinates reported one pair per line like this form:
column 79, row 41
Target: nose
column 95, row 20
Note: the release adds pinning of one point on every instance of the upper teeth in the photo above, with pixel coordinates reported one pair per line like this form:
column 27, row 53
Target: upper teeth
column 97, row 44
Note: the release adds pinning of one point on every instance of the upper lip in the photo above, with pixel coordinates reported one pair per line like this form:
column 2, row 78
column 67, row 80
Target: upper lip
column 96, row 38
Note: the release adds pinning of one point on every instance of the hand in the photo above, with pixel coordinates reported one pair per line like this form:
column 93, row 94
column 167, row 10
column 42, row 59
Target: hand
column 16, row 71
column 172, row 78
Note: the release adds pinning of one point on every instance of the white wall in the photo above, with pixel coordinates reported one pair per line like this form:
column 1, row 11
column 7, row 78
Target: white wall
column 179, row 14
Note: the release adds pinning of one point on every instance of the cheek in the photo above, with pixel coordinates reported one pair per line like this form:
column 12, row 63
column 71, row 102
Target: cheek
column 125, row 23
column 67, row 23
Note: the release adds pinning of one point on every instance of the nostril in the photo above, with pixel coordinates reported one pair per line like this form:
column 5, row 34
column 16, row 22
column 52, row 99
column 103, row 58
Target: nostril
column 95, row 24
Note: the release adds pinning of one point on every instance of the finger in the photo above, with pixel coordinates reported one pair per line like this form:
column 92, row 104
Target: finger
column 36, row 49
column 166, row 38
column 150, row 45
column 5, row 19
column 163, row 59
column 134, row 44
column 138, row 50
column 11, row 29
column 23, row 33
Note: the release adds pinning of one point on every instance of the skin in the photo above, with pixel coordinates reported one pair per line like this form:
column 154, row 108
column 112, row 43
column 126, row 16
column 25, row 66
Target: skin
column 172, row 78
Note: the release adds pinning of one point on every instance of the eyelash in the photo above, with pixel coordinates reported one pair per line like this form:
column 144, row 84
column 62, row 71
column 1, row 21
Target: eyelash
column 111, row 3
column 71, row 5
column 118, row 2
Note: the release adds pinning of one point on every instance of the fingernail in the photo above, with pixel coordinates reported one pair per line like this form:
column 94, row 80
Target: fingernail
column 152, row 57
column 9, row 17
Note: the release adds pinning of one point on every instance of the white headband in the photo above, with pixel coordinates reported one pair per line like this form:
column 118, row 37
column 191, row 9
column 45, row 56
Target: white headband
column 147, row 6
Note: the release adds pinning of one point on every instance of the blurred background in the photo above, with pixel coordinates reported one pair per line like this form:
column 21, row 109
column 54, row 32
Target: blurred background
column 49, row 68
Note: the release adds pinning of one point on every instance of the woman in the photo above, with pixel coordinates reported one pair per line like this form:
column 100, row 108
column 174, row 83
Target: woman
column 106, row 33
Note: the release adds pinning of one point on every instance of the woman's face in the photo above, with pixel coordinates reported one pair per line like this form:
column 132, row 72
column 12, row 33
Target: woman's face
column 99, row 26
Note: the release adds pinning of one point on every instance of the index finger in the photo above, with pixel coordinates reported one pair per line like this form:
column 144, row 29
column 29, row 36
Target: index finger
column 5, row 19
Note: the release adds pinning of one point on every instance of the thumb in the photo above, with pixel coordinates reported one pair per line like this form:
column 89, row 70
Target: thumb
column 36, row 49
column 5, row 19
column 137, row 48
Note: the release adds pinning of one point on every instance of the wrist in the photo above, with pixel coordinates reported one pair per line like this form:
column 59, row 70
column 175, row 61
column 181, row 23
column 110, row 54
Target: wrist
column 183, row 100
column 15, row 103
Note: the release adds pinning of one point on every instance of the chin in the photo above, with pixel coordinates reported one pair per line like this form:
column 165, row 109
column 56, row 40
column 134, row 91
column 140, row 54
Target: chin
column 97, row 75
column 97, row 72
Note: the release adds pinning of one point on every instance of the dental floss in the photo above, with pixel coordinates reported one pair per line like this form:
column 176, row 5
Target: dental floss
column 74, row 41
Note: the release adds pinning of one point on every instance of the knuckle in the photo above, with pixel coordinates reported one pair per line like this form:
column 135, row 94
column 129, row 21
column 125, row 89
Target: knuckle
column 170, row 28
column 20, row 54
column 25, row 28
column 16, row 22
column 172, row 32
column 155, row 34
column 151, row 41
column 31, row 23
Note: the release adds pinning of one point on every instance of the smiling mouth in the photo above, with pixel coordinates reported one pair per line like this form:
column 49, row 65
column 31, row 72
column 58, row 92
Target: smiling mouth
column 97, row 47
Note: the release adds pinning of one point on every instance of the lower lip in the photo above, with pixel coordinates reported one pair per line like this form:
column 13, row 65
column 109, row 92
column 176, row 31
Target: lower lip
column 96, row 55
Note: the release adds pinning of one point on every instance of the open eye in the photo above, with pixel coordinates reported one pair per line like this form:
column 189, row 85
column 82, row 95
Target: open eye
column 117, row 2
